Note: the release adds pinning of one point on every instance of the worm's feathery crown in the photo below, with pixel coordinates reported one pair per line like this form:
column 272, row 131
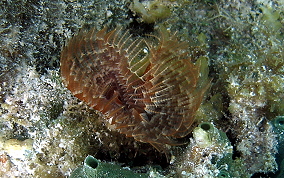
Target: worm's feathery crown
column 144, row 88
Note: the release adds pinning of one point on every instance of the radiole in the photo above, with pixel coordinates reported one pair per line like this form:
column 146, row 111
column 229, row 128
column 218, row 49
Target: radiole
column 146, row 87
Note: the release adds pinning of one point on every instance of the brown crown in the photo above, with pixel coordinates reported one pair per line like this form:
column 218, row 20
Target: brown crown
column 145, row 88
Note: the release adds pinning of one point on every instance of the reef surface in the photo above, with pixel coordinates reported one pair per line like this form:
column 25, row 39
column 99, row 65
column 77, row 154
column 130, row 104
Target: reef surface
column 47, row 132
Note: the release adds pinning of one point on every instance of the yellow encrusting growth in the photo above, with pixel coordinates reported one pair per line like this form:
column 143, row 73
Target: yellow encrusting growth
column 154, row 11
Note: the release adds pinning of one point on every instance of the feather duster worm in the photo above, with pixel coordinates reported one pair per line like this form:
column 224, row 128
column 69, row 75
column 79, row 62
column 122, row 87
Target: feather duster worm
column 145, row 89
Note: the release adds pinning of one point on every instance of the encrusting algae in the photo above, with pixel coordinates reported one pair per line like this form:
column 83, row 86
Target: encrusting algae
column 147, row 90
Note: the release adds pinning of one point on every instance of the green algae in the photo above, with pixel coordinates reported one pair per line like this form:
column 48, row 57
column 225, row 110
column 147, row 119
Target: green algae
column 278, row 128
column 278, row 124
column 97, row 169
